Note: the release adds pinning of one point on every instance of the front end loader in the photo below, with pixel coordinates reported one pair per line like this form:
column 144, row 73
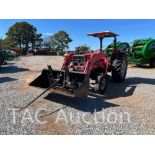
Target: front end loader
column 74, row 76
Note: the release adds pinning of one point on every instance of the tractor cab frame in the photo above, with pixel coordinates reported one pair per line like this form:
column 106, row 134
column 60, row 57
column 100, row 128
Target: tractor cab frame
column 102, row 35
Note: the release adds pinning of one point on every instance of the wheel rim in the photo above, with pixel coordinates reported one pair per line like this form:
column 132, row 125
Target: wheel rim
column 123, row 68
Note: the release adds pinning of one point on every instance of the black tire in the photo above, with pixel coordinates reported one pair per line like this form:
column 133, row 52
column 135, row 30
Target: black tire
column 152, row 63
column 101, row 84
column 1, row 60
column 119, row 69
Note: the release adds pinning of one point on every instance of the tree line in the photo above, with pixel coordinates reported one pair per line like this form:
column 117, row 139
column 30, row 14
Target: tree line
column 24, row 36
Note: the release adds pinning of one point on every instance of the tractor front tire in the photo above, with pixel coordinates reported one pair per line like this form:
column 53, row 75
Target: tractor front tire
column 119, row 69
column 101, row 84
column 152, row 63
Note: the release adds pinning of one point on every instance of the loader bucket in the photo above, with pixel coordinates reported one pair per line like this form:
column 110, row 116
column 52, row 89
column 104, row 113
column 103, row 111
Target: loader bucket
column 76, row 83
column 41, row 81
column 83, row 89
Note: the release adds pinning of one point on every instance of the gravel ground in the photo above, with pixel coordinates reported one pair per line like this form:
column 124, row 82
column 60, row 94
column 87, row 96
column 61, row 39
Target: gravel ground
column 125, row 108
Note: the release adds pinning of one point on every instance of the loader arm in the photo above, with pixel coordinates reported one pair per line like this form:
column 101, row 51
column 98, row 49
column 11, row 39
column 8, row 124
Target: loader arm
column 67, row 60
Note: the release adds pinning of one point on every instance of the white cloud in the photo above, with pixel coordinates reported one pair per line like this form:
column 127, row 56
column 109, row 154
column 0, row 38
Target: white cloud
column 48, row 33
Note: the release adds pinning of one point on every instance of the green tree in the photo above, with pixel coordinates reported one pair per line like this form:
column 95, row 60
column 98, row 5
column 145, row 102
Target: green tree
column 58, row 42
column 23, row 35
column 36, row 41
column 61, row 41
column 1, row 42
column 82, row 49
column 7, row 44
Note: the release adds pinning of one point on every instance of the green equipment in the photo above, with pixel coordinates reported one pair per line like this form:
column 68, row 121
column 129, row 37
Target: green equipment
column 143, row 52
column 8, row 55
column 123, row 46
column 1, row 59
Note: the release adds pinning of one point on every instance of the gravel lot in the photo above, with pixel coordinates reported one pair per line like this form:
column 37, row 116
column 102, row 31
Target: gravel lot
column 125, row 108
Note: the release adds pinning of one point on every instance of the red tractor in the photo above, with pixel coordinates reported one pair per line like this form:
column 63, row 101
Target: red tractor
column 77, row 70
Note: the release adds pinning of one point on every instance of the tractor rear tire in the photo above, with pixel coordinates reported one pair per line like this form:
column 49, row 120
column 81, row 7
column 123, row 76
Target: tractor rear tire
column 152, row 63
column 1, row 59
column 119, row 69
column 101, row 84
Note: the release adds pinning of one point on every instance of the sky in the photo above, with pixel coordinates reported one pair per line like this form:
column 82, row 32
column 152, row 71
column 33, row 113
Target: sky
column 78, row 29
